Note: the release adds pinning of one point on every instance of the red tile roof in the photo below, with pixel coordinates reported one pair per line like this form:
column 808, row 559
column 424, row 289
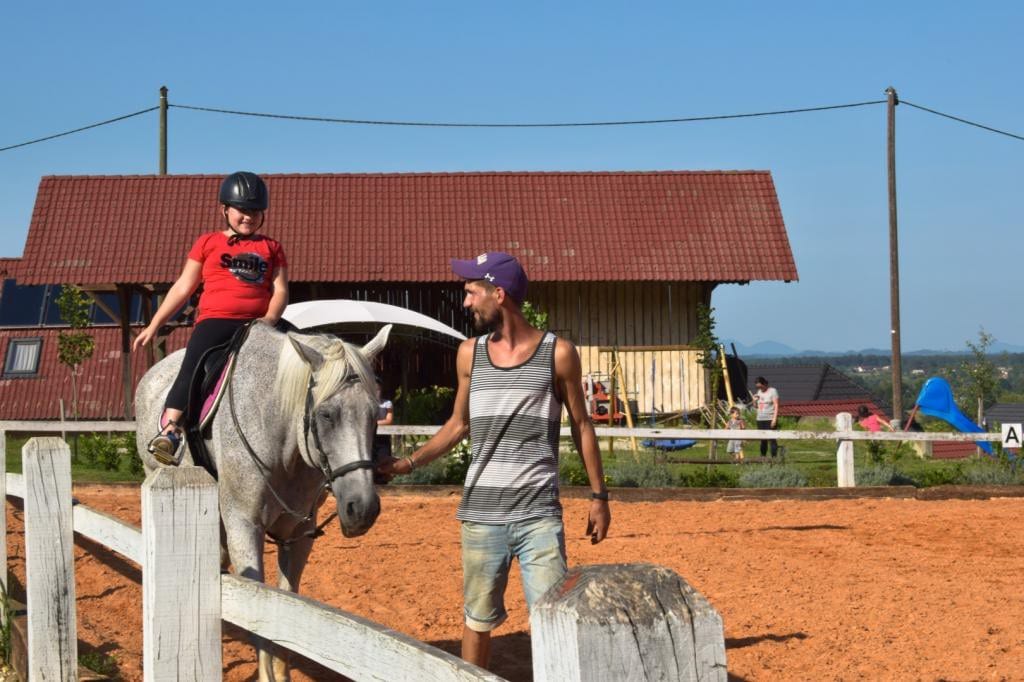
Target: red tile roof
column 826, row 408
column 638, row 226
column 100, row 394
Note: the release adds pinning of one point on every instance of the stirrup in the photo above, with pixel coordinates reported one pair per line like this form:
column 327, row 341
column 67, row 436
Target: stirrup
column 166, row 447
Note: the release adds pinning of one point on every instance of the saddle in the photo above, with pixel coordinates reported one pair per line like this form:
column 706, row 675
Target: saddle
column 206, row 388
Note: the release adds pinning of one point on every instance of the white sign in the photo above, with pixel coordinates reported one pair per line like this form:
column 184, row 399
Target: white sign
column 1012, row 435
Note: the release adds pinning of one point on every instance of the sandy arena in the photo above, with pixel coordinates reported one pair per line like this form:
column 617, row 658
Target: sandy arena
column 847, row 589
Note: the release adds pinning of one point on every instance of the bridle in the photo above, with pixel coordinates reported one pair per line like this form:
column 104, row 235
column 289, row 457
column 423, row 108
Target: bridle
column 330, row 475
column 309, row 426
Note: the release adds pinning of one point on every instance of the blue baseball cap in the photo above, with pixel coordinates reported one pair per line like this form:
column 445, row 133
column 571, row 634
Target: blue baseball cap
column 500, row 269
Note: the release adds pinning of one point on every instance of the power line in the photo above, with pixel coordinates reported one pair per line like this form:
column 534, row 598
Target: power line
column 962, row 120
column 433, row 124
column 78, row 130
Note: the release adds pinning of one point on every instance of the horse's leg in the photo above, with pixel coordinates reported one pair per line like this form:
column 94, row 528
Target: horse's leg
column 291, row 560
column 245, row 549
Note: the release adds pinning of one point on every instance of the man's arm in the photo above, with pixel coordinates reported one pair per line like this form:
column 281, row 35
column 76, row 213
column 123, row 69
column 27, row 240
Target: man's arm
column 569, row 375
column 775, row 412
column 453, row 431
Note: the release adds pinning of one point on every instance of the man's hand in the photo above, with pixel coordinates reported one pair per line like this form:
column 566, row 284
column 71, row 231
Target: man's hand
column 386, row 467
column 598, row 520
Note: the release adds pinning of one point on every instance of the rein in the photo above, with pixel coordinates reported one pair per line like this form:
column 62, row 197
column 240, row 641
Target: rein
column 308, row 425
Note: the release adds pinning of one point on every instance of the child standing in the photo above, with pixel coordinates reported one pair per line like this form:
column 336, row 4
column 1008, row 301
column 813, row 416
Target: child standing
column 735, row 447
column 244, row 277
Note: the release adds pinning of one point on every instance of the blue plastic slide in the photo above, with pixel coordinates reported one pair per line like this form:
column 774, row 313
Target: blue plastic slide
column 936, row 400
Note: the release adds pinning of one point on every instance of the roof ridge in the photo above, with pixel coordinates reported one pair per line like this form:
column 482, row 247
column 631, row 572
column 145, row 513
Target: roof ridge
column 510, row 173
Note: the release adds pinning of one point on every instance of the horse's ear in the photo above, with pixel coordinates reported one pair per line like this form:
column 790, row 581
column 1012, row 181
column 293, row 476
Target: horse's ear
column 376, row 345
column 309, row 355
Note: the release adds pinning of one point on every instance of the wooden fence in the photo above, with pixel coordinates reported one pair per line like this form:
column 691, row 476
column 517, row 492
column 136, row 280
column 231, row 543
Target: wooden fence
column 183, row 607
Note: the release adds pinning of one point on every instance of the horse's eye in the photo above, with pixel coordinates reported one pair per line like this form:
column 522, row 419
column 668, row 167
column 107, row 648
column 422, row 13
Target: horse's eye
column 325, row 418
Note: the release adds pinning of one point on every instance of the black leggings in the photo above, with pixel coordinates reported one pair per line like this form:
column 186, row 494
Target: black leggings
column 766, row 424
column 205, row 335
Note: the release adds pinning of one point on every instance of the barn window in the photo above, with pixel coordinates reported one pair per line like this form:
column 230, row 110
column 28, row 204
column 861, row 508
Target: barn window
column 22, row 357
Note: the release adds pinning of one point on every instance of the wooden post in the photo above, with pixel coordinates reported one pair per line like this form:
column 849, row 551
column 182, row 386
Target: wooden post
column 625, row 622
column 49, row 561
column 180, row 576
column 894, row 259
column 844, row 454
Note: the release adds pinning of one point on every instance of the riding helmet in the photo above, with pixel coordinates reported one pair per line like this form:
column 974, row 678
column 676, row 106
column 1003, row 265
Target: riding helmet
column 244, row 190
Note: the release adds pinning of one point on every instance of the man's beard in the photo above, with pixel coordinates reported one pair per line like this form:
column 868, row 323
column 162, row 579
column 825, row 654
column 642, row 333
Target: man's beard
column 487, row 324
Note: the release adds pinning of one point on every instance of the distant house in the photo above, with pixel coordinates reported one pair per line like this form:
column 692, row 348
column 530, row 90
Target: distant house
column 816, row 390
column 618, row 260
column 1004, row 413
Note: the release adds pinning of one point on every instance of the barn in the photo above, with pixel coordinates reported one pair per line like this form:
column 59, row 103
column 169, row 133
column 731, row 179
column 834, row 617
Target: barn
column 620, row 262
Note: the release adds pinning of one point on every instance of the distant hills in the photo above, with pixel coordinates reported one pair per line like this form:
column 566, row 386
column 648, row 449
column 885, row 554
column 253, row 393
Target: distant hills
column 774, row 349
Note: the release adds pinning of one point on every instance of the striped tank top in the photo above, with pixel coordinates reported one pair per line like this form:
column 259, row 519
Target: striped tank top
column 514, row 420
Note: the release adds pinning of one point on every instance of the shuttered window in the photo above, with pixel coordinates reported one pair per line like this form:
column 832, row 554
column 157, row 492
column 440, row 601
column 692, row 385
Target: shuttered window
column 22, row 357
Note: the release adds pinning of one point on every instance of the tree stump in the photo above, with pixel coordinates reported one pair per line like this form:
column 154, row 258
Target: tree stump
column 626, row 622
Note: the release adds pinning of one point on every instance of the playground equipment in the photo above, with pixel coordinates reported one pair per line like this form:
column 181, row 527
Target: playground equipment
column 936, row 400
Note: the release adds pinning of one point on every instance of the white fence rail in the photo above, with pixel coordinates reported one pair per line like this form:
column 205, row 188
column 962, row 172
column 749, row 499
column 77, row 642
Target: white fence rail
column 184, row 602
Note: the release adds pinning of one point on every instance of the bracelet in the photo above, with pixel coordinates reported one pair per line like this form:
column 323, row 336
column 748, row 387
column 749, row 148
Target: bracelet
column 599, row 496
column 412, row 463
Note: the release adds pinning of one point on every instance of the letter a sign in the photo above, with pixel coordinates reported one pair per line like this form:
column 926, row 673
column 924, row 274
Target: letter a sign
column 1012, row 435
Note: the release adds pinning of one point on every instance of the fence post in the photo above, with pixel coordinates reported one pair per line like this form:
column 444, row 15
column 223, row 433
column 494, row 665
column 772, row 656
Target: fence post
column 844, row 453
column 625, row 621
column 180, row 576
column 49, row 561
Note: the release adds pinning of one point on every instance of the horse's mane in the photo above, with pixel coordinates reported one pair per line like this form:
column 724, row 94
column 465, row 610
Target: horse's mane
column 341, row 361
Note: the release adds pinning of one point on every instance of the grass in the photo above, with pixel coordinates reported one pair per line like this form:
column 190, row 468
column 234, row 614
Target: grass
column 80, row 472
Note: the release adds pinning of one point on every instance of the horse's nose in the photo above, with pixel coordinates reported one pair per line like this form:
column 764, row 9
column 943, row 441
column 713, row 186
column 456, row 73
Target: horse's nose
column 357, row 514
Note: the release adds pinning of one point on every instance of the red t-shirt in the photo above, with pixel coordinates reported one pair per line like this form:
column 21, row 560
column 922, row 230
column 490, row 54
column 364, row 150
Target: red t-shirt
column 237, row 279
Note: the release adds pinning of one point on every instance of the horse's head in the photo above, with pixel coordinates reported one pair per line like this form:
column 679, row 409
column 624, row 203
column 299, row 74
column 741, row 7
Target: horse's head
column 339, row 422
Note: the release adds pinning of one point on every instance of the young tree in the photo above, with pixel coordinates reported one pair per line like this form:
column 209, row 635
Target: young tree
column 708, row 349
column 75, row 346
column 977, row 377
column 535, row 317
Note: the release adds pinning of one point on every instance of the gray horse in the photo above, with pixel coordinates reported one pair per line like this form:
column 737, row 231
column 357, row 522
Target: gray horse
column 299, row 414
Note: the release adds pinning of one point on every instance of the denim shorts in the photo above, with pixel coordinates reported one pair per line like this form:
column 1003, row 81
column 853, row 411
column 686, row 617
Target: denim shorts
column 487, row 553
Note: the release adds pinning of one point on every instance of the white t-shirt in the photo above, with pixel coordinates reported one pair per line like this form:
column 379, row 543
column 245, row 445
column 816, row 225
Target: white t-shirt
column 766, row 403
column 383, row 408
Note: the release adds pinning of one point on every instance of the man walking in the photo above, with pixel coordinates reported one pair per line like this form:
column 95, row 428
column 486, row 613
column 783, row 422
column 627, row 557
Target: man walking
column 513, row 382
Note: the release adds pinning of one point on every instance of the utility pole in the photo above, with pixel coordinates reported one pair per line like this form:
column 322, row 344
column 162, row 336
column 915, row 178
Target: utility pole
column 894, row 264
column 163, row 130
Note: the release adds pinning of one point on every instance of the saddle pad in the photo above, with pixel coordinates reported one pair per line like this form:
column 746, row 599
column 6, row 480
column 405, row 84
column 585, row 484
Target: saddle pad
column 211, row 401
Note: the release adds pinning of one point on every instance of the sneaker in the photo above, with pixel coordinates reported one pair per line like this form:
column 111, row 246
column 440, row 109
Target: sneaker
column 164, row 447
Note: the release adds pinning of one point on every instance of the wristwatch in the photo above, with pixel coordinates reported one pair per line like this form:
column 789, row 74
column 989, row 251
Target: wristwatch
column 599, row 496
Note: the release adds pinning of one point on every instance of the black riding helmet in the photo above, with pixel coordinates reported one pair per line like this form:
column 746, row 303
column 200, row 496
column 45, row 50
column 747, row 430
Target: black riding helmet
column 244, row 190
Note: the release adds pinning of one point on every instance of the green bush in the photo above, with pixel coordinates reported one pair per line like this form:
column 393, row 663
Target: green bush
column 428, row 405
column 102, row 451
column 938, row 476
column 571, row 470
column 882, row 474
column 773, row 477
column 988, row 473
column 632, row 474
column 713, row 477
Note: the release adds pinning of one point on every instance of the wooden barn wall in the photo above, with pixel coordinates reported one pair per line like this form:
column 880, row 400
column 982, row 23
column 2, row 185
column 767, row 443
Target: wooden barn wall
column 665, row 376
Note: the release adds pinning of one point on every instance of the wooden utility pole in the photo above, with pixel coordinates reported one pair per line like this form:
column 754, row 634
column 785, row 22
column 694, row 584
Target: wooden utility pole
column 894, row 263
column 163, row 130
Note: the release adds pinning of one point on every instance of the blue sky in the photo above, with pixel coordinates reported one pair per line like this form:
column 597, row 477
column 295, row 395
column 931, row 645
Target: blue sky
column 959, row 187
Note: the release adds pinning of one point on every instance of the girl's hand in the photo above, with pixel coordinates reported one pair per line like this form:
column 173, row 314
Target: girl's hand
column 144, row 337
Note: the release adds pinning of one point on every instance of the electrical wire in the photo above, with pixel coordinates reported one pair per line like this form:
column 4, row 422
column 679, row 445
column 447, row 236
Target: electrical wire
column 78, row 130
column 962, row 120
column 430, row 124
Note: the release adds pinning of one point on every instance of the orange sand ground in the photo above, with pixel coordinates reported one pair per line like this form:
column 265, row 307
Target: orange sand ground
column 873, row 589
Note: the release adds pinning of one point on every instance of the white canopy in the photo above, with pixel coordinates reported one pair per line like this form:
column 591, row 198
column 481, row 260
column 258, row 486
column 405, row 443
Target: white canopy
column 318, row 313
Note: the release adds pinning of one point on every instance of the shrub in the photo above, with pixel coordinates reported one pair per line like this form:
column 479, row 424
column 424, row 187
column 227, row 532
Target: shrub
column 428, row 405
column 709, row 478
column 100, row 451
column 773, row 477
column 631, row 474
column 988, row 473
column 882, row 475
column 938, row 476
column 571, row 470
